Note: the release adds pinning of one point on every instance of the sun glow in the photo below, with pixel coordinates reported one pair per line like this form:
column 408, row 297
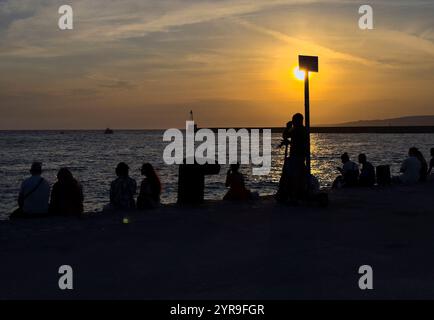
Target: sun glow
column 299, row 74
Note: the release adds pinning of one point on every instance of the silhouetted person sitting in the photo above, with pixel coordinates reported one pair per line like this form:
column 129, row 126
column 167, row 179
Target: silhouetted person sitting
column 34, row 195
column 150, row 189
column 292, row 185
column 349, row 173
column 191, row 181
column 423, row 166
column 367, row 173
column 235, row 183
column 431, row 163
column 410, row 169
column 123, row 189
column 67, row 195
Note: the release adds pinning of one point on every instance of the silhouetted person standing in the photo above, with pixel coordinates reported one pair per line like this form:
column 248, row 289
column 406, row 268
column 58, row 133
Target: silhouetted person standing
column 191, row 181
column 34, row 195
column 67, row 195
column 235, row 182
column 367, row 173
column 123, row 189
column 150, row 188
column 292, row 185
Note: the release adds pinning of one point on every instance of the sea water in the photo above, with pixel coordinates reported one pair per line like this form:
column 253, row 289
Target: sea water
column 93, row 156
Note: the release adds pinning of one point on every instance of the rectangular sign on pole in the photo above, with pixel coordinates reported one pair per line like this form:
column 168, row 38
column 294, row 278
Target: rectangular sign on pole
column 308, row 63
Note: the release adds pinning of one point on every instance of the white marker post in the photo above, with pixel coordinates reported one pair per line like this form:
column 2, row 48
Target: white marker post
column 307, row 64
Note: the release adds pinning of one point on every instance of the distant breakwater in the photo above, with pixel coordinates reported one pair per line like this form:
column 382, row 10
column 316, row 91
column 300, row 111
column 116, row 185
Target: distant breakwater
column 379, row 129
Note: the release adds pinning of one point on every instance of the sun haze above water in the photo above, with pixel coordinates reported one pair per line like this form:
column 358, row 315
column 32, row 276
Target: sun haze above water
column 145, row 64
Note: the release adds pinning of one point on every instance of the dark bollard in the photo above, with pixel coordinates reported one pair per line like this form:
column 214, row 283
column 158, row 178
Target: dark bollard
column 384, row 177
column 191, row 181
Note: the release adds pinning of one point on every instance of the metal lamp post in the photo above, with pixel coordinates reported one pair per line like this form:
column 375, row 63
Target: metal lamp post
column 307, row 64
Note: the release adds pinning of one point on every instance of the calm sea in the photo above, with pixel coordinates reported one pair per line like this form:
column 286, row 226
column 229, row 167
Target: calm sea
column 92, row 156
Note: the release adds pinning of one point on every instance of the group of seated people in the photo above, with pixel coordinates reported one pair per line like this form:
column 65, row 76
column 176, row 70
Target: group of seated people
column 67, row 194
column 124, row 188
column 66, row 198
column 34, row 196
column 413, row 169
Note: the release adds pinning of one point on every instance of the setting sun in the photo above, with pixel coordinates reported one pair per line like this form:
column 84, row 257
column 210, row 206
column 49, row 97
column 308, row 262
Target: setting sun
column 299, row 74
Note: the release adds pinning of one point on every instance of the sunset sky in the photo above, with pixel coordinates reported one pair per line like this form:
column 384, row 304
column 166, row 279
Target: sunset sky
column 146, row 63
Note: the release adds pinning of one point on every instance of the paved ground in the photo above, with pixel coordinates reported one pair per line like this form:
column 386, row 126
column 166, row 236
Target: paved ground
column 258, row 250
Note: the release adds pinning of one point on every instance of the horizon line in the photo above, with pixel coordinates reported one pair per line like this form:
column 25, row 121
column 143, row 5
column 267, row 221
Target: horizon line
column 314, row 129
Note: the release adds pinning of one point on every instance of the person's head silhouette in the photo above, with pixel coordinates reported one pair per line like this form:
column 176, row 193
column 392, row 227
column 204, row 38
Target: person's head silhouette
column 122, row 169
column 235, row 167
column 147, row 170
column 345, row 158
column 64, row 175
column 362, row 158
column 412, row 152
column 36, row 169
column 297, row 120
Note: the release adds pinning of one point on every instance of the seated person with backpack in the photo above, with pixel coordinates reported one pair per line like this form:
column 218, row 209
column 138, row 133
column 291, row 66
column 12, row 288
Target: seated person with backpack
column 34, row 195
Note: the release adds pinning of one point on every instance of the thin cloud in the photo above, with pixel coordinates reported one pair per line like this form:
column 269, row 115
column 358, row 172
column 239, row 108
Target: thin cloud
column 107, row 82
column 312, row 47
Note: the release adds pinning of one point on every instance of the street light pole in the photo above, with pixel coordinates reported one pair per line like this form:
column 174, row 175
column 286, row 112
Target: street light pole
column 307, row 64
column 307, row 119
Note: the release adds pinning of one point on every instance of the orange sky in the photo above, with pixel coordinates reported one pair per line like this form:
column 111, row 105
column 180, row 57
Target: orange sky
column 135, row 64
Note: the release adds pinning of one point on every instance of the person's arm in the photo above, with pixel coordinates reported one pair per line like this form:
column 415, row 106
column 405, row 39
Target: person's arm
column 21, row 197
column 134, row 187
column 142, row 187
column 403, row 167
column 228, row 179
column 286, row 134
column 112, row 193
column 81, row 193
column 243, row 184
column 52, row 206
column 81, row 205
column 48, row 188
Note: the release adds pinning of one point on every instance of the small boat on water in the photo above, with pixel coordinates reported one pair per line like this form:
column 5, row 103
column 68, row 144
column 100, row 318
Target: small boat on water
column 108, row 131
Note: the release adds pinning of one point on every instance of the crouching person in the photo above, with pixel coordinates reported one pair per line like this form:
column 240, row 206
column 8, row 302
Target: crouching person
column 235, row 183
